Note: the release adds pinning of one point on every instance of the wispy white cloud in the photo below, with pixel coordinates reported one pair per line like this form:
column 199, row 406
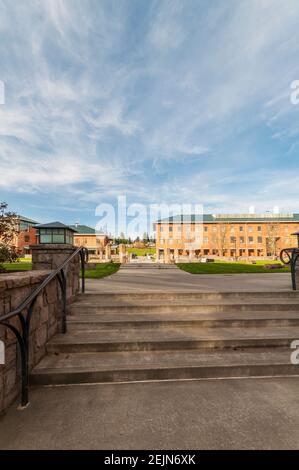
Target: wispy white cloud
column 169, row 97
column 113, row 117
column 166, row 30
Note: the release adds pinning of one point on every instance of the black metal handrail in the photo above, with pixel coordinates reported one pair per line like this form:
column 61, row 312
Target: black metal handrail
column 28, row 304
column 289, row 257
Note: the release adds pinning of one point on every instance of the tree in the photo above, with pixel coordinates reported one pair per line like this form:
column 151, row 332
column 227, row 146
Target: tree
column 145, row 237
column 8, row 234
column 272, row 238
column 222, row 238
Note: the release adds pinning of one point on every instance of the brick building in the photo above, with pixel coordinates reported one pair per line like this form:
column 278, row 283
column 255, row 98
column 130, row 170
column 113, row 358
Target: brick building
column 26, row 235
column 89, row 238
column 234, row 236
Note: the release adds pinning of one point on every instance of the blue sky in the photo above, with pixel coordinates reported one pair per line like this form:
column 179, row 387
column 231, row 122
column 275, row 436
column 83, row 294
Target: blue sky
column 162, row 101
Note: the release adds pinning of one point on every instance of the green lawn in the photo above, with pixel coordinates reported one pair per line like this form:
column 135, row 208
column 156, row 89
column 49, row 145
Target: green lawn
column 142, row 251
column 230, row 268
column 102, row 270
column 18, row 266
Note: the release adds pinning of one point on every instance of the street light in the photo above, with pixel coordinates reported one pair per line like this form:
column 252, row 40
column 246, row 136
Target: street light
column 55, row 233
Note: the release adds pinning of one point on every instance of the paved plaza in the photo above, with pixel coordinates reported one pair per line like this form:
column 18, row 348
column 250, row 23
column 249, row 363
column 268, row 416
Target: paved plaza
column 213, row 414
column 134, row 279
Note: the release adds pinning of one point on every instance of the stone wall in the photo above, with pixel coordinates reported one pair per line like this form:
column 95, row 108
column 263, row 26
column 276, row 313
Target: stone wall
column 45, row 323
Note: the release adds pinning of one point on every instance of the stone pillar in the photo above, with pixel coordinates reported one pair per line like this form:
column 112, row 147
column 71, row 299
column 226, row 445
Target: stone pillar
column 49, row 257
column 166, row 256
column 108, row 253
column 122, row 253
column 101, row 254
column 191, row 255
column 176, row 255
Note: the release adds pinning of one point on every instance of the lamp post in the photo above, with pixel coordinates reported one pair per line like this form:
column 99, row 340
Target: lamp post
column 55, row 245
column 55, row 233
column 290, row 256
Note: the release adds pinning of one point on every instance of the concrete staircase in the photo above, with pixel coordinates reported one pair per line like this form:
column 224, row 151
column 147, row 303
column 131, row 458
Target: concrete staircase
column 160, row 336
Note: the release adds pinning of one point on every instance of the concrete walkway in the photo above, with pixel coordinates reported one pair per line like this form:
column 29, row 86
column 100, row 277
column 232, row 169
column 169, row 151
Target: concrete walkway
column 175, row 280
column 214, row 414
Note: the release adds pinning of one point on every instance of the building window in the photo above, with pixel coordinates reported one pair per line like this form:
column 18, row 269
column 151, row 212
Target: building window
column 232, row 230
column 170, row 228
column 205, row 229
column 260, row 239
column 206, row 239
column 259, row 229
column 250, row 240
column 52, row 236
column 161, row 229
column 250, row 229
column 242, row 240
column 27, row 238
column 233, row 239
column 241, row 229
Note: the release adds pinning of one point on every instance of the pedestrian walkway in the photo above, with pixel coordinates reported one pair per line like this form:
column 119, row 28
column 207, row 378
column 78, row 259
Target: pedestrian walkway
column 132, row 278
column 214, row 414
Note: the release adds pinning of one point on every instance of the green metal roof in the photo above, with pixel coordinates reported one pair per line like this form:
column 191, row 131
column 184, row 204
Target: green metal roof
column 83, row 229
column 26, row 219
column 237, row 218
column 55, row 225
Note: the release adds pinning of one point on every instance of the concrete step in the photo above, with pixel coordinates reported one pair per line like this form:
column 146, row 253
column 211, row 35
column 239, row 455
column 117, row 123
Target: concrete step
column 148, row 339
column 183, row 296
column 161, row 365
column 103, row 321
column 182, row 307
